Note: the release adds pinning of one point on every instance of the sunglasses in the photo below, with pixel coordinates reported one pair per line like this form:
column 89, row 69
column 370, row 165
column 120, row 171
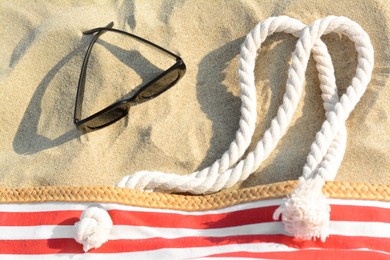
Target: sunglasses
column 120, row 109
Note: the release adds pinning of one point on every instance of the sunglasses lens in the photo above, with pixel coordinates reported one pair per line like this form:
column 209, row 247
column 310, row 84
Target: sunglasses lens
column 160, row 85
column 107, row 118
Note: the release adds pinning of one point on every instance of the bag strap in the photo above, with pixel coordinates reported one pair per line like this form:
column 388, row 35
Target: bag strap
column 228, row 170
column 306, row 213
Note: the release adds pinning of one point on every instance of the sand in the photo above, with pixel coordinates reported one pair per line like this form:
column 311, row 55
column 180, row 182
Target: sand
column 191, row 125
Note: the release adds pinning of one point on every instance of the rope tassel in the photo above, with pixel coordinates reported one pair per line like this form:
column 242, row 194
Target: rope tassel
column 305, row 214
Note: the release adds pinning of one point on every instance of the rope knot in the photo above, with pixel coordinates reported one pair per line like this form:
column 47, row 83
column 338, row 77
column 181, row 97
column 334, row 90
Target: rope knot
column 306, row 214
column 93, row 228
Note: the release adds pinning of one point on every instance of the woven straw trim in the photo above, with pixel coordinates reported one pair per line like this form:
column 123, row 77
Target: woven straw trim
column 108, row 194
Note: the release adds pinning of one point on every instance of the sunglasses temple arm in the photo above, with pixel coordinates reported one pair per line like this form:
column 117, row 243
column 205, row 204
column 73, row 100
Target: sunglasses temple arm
column 81, row 84
column 142, row 40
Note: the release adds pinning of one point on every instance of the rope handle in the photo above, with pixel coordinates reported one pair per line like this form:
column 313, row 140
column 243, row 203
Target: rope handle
column 305, row 214
column 220, row 174
column 328, row 149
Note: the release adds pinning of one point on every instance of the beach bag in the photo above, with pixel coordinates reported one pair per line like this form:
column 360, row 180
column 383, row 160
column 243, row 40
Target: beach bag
column 155, row 215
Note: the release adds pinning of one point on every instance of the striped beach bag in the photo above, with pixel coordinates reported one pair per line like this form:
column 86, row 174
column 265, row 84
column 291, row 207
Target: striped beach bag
column 155, row 215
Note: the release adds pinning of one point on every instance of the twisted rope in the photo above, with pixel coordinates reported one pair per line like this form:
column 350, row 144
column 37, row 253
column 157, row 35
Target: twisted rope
column 218, row 175
column 306, row 214
column 328, row 149
column 340, row 110
column 94, row 227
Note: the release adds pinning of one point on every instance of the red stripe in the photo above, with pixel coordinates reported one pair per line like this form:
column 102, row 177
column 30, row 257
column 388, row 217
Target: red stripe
column 153, row 219
column 230, row 219
column 310, row 254
column 62, row 217
column 359, row 213
column 136, row 218
column 54, row 246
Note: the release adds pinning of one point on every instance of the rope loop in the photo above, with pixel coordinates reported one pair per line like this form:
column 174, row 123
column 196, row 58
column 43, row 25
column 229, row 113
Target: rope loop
column 228, row 170
column 327, row 150
column 306, row 214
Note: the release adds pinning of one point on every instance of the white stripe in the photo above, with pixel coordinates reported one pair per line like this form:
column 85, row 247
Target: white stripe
column 368, row 203
column 173, row 253
column 139, row 232
column 344, row 228
column 36, row 232
column 128, row 232
column 356, row 228
column 161, row 254
column 56, row 206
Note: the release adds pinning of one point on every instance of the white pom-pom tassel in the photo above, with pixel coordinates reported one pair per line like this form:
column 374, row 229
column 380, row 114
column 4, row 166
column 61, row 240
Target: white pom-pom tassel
column 93, row 228
column 306, row 214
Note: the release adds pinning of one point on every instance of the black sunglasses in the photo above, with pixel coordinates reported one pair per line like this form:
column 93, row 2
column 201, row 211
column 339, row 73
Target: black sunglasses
column 120, row 109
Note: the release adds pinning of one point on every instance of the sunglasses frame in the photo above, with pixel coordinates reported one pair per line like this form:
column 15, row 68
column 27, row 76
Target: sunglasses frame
column 121, row 106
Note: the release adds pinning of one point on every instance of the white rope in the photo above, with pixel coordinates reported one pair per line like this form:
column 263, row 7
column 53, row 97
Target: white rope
column 305, row 214
column 219, row 175
column 94, row 227
column 336, row 117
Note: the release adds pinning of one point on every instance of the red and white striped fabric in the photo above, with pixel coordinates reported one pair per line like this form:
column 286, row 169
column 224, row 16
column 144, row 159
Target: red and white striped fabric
column 359, row 229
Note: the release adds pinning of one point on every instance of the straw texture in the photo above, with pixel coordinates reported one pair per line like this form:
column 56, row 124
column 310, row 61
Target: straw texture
column 108, row 194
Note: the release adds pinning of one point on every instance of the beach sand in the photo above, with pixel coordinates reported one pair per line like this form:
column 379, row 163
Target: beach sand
column 191, row 125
